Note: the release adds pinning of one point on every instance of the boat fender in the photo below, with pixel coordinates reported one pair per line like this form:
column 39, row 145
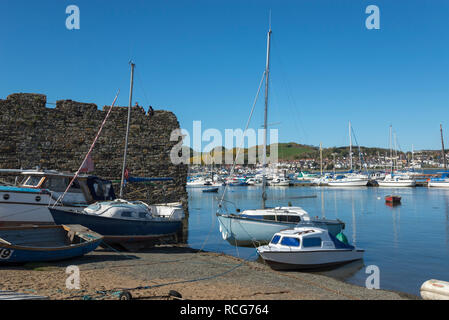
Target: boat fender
column 435, row 290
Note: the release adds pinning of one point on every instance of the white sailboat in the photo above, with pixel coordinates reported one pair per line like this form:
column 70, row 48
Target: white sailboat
column 257, row 226
column 122, row 221
column 350, row 179
column 392, row 180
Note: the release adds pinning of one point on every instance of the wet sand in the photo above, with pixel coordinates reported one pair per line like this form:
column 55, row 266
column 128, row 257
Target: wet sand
column 196, row 275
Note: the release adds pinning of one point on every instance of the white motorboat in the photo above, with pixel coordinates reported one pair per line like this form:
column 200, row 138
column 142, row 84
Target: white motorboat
column 307, row 248
column 348, row 181
column 442, row 182
column 279, row 182
column 394, row 181
column 197, row 183
column 27, row 201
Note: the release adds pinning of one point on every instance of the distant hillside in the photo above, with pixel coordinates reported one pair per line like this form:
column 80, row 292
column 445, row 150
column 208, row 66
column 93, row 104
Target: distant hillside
column 293, row 151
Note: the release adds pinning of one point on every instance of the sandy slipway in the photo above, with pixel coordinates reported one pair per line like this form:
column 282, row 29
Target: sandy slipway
column 196, row 275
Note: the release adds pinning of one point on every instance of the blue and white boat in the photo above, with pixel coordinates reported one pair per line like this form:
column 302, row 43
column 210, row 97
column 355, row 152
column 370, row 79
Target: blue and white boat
column 27, row 200
column 45, row 243
column 307, row 248
column 122, row 221
column 441, row 182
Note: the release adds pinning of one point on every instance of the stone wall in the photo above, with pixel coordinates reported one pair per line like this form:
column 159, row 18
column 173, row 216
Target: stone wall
column 58, row 138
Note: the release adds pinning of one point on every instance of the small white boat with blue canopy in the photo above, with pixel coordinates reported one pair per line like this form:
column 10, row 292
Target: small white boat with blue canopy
column 307, row 247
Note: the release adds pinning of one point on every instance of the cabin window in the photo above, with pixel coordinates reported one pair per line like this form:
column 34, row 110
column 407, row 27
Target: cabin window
column 32, row 181
column 294, row 219
column 269, row 217
column 290, row 241
column 311, row 242
column 126, row 214
column 282, row 218
column 275, row 239
column 142, row 215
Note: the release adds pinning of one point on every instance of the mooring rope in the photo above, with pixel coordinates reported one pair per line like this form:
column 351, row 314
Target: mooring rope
column 89, row 152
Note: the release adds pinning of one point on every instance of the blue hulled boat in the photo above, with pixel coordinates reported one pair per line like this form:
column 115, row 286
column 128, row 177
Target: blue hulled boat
column 46, row 243
column 122, row 221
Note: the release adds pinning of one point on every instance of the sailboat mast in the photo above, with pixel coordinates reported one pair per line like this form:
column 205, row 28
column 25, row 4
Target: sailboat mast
column 350, row 144
column 442, row 147
column 391, row 153
column 267, row 80
column 127, row 129
column 321, row 159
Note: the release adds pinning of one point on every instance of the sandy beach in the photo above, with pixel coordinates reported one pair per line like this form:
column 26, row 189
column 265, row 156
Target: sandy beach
column 196, row 275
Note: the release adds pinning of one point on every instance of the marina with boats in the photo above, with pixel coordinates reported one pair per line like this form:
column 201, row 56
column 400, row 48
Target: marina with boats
column 138, row 223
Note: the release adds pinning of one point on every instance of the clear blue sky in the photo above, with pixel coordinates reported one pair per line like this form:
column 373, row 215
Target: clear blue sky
column 203, row 60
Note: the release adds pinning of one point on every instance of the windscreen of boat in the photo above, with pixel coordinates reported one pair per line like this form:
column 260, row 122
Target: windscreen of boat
column 275, row 239
column 290, row 241
column 100, row 189
column 32, row 181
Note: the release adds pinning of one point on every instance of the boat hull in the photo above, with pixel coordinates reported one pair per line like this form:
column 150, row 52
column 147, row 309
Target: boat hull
column 439, row 184
column 118, row 230
column 26, row 205
column 358, row 183
column 397, row 184
column 247, row 232
column 16, row 253
column 302, row 260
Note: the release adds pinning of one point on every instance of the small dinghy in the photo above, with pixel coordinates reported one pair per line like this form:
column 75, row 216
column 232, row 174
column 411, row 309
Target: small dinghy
column 392, row 199
column 210, row 190
column 307, row 248
column 46, row 243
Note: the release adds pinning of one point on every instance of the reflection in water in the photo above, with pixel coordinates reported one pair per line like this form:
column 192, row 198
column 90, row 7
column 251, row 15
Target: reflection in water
column 354, row 228
column 447, row 220
column 323, row 214
column 343, row 272
column 409, row 243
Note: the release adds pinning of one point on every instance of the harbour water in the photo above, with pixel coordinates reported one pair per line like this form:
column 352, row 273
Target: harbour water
column 409, row 243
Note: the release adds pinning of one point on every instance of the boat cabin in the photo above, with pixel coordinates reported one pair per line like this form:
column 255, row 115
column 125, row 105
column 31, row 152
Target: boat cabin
column 307, row 239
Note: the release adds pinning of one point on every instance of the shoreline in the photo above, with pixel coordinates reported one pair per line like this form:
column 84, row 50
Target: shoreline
column 197, row 275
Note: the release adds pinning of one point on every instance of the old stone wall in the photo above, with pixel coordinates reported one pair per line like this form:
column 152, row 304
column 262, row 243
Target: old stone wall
column 58, row 138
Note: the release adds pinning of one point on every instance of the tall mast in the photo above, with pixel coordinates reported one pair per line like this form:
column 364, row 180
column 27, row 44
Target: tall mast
column 267, row 78
column 350, row 144
column 442, row 147
column 321, row 158
column 391, row 153
column 127, row 129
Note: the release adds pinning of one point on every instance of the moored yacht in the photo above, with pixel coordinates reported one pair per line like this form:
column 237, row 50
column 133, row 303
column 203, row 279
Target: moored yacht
column 121, row 221
column 257, row 226
column 392, row 180
column 348, row 181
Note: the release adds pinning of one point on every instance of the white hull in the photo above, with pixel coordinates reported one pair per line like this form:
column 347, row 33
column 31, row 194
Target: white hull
column 355, row 183
column 24, row 207
column 439, row 184
column 396, row 184
column 309, row 259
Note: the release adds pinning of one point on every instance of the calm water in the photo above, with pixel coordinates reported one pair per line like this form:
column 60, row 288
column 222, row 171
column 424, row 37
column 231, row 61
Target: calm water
column 409, row 243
